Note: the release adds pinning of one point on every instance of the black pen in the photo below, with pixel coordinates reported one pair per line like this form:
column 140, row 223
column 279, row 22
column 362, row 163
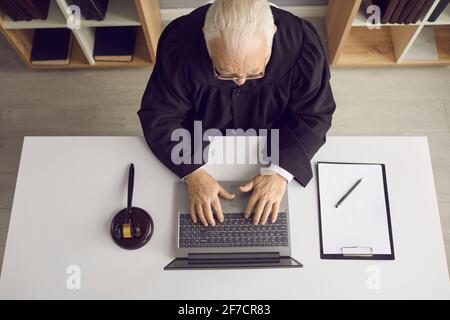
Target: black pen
column 348, row 192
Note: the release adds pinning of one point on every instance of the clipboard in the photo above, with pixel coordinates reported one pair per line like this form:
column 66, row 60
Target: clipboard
column 365, row 248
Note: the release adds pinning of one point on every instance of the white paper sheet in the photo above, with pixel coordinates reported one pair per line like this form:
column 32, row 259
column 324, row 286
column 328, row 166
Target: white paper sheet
column 361, row 220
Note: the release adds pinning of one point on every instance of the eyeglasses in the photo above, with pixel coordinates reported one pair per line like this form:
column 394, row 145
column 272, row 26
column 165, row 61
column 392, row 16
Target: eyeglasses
column 236, row 77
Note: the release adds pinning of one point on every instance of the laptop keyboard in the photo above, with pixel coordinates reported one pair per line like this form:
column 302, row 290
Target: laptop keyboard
column 235, row 231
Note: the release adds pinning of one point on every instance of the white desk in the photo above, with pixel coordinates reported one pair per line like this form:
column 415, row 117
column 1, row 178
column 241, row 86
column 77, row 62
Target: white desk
column 68, row 189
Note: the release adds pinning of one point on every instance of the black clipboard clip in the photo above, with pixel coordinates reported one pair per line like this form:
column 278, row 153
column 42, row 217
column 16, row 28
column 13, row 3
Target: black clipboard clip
column 357, row 251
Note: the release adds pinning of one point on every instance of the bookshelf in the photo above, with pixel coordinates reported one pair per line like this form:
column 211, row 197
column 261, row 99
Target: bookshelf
column 145, row 14
column 352, row 43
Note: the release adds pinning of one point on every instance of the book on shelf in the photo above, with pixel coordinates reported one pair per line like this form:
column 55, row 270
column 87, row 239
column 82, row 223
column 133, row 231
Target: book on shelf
column 387, row 9
column 411, row 4
column 91, row 9
column 415, row 11
column 14, row 10
column 37, row 8
column 442, row 5
column 25, row 10
column 115, row 43
column 401, row 11
column 51, row 46
column 398, row 11
column 423, row 11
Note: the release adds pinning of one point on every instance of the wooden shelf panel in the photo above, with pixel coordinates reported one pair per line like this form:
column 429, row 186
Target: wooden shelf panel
column 375, row 48
column 368, row 47
column 145, row 14
column 340, row 16
column 150, row 17
column 22, row 41
column 442, row 34
column 55, row 20
column 352, row 44
column 78, row 59
column 120, row 13
column 442, row 39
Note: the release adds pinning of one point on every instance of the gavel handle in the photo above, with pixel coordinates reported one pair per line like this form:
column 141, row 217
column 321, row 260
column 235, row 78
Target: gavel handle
column 130, row 190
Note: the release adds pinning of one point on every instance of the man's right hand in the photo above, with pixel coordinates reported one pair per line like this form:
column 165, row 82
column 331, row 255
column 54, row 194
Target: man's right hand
column 204, row 194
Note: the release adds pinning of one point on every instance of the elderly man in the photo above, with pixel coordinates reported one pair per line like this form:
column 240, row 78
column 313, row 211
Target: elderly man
column 240, row 64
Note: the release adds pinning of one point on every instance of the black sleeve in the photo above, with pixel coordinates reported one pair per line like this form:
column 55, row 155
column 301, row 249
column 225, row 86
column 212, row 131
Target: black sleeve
column 302, row 129
column 166, row 105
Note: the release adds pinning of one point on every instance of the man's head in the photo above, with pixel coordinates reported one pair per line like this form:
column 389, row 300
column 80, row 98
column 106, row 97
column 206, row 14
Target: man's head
column 239, row 35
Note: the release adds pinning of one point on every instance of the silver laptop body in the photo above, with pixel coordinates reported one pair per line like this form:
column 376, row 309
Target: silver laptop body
column 229, row 257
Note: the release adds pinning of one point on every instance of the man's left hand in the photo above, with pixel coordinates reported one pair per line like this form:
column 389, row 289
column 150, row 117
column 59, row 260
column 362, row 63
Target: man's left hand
column 268, row 190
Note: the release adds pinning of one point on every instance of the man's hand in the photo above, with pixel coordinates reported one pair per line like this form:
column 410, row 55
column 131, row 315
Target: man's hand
column 268, row 190
column 204, row 194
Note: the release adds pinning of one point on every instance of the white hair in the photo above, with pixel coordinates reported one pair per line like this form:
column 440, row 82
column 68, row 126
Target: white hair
column 237, row 20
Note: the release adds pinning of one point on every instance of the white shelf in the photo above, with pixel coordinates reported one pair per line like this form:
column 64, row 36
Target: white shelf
column 443, row 19
column 361, row 21
column 84, row 36
column 120, row 13
column 424, row 47
column 55, row 20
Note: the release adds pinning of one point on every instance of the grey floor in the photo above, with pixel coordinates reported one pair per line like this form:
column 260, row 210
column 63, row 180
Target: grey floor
column 399, row 101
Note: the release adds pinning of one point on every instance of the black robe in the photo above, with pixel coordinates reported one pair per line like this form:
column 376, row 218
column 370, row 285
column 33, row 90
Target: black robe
column 294, row 96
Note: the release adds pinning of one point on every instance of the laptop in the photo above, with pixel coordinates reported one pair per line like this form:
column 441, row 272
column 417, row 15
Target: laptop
column 234, row 244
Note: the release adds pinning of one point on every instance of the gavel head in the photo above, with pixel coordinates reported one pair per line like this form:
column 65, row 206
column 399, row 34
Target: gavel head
column 132, row 233
column 127, row 231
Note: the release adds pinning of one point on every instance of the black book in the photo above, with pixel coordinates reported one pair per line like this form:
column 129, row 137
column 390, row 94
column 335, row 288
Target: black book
column 22, row 7
column 423, row 12
column 407, row 10
column 15, row 10
column 415, row 11
column 51, row 46
column 88, row 10
column 6, row 7
column 387, row 8
column 438, row 10
column 25, row 10
column 37, row 8
column 85, row 8
column 92, row 9
column 114, row 43
column 31, row 9
column 398, row 11
column 99, row 7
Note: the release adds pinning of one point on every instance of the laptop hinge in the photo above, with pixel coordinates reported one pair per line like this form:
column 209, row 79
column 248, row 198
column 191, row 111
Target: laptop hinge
column 233, row 258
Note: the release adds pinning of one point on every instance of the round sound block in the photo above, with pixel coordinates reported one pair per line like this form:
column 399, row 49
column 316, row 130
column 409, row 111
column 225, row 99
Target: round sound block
column 141, row 218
